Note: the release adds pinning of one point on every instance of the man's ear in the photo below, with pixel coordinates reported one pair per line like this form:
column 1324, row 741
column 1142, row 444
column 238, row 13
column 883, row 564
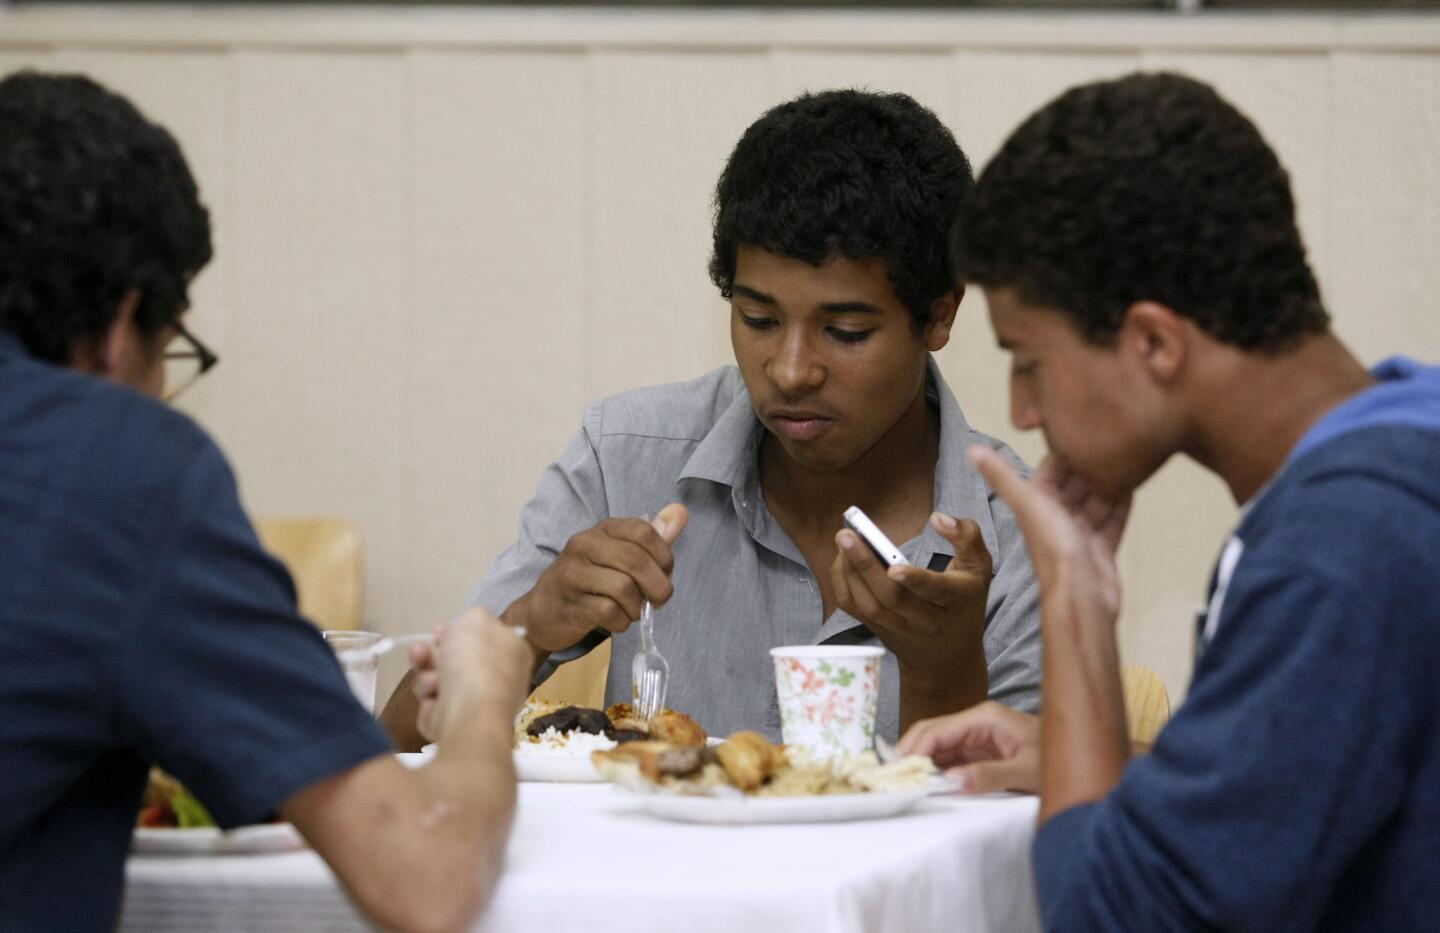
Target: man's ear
column 942, row 318
column 117, row 345
column 1157, row 337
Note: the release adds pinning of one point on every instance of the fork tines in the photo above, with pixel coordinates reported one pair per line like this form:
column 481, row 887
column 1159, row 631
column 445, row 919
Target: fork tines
column 650, row 694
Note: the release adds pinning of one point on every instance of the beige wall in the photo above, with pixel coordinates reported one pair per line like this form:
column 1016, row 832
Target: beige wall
column 441, row 232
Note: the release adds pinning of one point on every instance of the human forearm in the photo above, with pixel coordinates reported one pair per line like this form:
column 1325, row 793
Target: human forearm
column 1083, row 741
column 470, row 794
column 925, row 695
column 417, row 850
column 420, row 849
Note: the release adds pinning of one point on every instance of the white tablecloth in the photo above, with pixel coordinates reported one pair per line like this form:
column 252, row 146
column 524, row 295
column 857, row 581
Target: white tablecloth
column 582, row 857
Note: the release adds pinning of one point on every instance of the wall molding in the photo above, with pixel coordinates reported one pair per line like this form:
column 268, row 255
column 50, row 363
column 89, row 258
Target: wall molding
column 369, row 28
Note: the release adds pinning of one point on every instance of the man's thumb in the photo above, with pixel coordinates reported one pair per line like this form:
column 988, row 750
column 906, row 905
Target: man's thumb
column 671, row 521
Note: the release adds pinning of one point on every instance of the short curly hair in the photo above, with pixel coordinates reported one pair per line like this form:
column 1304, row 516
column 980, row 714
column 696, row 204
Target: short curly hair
column 94, row 201
column 846, row 173
column 1149, row 187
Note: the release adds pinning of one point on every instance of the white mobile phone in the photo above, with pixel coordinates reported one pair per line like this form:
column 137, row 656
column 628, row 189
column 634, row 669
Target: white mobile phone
column 885, row 549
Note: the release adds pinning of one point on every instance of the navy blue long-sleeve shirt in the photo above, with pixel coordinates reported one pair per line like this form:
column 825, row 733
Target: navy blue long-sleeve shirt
column 140, row 623
column 1298, row 787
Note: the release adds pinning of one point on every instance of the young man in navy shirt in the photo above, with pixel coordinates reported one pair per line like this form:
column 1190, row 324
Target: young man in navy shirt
column 140, row 621
column 1137, row 245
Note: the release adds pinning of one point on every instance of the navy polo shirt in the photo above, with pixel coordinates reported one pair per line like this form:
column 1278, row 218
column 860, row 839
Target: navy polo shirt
column 140, row 622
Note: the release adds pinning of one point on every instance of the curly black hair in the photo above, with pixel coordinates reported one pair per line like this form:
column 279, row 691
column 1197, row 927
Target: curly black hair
column 845, row 173
column 94, row 201
column 1149, row 187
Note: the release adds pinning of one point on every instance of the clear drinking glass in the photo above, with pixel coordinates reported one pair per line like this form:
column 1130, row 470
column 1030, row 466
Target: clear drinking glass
column 359, row 661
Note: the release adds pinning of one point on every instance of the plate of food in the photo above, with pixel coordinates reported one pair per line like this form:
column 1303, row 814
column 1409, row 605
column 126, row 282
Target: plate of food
column 554, row 742
column 747, row 779
column 173, row 822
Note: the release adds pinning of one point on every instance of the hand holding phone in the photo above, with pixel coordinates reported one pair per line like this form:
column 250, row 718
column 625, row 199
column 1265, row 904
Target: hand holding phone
column 885, row 549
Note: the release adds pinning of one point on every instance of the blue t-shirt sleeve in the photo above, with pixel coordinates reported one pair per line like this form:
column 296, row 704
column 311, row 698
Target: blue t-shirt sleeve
column 1285, row 758
column 224, row 685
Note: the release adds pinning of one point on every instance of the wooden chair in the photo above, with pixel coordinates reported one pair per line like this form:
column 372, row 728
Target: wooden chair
column 324, row 557
column 1147, row 704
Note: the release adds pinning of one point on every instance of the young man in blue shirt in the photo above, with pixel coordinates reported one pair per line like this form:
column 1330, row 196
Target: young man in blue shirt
column 1137, row 245
column 140, row 621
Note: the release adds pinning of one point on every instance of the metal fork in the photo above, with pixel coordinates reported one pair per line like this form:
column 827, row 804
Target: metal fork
column 649, row 671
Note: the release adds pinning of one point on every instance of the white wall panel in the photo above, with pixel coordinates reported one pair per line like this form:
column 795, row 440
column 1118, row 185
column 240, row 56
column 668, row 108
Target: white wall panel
column 1385, row 204
column 922, row 75
column 662, row 125
column 994, row 91
column 493, row 313
column 14, row 59
column 318, row 270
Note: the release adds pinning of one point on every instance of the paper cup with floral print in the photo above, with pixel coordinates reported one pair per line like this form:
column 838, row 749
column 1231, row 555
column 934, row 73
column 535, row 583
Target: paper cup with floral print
column 828, row 695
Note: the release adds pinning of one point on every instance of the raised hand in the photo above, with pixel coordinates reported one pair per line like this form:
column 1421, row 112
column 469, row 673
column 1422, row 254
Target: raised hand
column 477, row 662
column 911, row 608
column 601, row 579
column 1072, row 534
column 932, row 621
column 1071, row 531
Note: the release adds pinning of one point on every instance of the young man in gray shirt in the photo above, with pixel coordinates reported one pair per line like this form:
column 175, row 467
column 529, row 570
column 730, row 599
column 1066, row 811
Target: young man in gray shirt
column 830, row 243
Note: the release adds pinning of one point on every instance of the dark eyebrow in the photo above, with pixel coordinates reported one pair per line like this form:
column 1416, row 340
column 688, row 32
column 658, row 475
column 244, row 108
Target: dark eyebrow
column 849, row 307
column 833, row 307
column 752, row 294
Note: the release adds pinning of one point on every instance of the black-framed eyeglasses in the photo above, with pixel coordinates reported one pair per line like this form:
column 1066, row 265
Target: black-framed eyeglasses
column 189, row 363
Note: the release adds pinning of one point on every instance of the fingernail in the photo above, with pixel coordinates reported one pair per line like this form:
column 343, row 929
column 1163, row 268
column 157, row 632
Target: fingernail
column 976, row 453
column 847, row 541
column 944, row 521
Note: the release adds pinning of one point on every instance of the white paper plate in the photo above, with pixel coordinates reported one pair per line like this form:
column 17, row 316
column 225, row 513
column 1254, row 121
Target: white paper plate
column 733, row 810
column 556, row 768
column 553, row 769
column 418, row 759
column 270, row 837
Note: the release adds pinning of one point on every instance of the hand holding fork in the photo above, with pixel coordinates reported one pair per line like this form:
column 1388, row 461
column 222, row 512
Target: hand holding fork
column 649, row 671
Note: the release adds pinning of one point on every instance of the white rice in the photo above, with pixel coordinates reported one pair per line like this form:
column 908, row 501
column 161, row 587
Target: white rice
column 551, row 744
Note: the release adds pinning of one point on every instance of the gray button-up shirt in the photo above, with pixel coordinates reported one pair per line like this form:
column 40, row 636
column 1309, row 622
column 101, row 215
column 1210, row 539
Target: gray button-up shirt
column 742, row 587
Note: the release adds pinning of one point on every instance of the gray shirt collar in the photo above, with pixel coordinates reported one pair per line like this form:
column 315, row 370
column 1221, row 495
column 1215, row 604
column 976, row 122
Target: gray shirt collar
column 729, row 455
